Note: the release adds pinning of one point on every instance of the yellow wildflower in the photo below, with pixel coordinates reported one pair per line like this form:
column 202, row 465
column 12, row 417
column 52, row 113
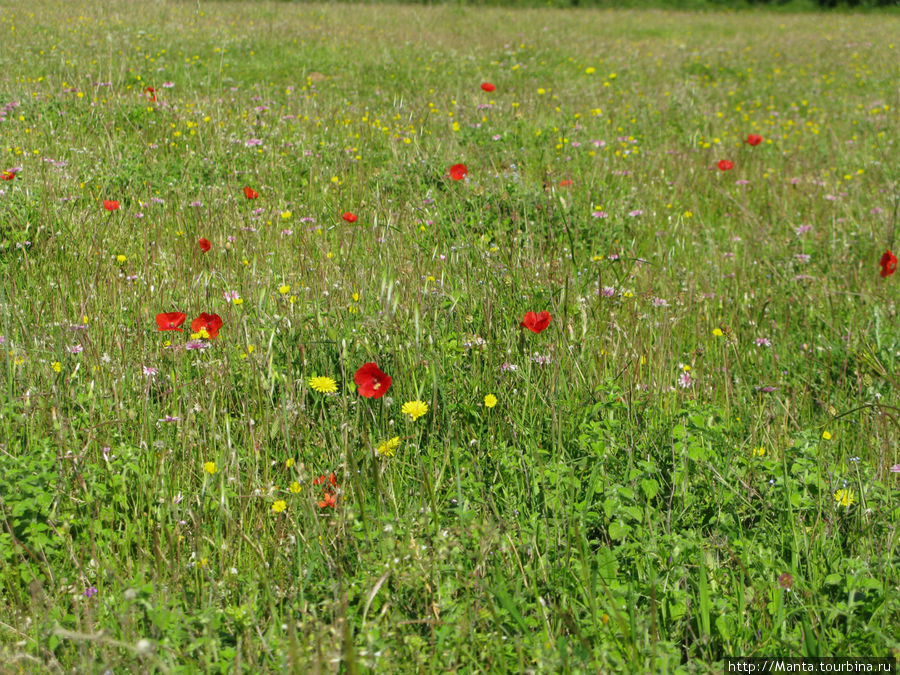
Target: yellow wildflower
column 323, row 385
column 388, row 448
column 844, row 497
column 415, row 409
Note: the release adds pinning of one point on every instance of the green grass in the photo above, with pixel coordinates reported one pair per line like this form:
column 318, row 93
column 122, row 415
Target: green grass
column 601, row 517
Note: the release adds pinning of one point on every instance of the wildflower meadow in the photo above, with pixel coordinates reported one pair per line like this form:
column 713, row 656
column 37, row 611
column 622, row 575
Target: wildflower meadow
column 392, row 338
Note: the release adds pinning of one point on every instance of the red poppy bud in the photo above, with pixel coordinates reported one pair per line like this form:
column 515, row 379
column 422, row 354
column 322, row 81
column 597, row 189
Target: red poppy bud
column 888, row 264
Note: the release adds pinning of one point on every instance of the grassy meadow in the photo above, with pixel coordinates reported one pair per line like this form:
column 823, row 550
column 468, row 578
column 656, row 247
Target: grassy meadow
column 696, row 458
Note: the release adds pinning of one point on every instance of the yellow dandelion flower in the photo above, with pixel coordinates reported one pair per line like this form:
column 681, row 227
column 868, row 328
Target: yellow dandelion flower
column 57, row 366
column 284, row 289
column 121, row 259
column 718, row 332
column 415, row 409
column 279, row 506
column 323, row 385
column 844, row 497
column 490, row 401
column 826, row 435
column 295, row 487
column 289, row 463
column 388, row 448
column 210, row 468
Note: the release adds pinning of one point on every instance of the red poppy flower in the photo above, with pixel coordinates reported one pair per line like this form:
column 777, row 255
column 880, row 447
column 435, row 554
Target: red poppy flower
column 321, row 479
column 753, row 139
column 329, row 499
column 349, row 217
column 151, row 93
column 488, row 87
column 566, row 183
column 110, row 205
column 210, row 322
column 204, row 244
column 371, row 382
column 536, row 322
column 458, row 171
column 250, row 193
column 725, row 165
column 888, row 264
column 170, row 320
column 8, row 175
